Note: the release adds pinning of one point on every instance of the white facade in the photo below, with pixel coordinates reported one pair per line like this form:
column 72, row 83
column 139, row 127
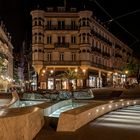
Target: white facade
column 73, row 39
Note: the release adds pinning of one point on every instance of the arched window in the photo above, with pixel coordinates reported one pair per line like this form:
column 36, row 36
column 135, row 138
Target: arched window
column 35, row 41
column 39, row 23
column 84, row 50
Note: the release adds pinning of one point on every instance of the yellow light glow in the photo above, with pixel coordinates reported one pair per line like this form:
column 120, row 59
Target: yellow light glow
column 43, row 71
column 75, row 70
column 51, row 71
column 126, row 72
column 84, row 70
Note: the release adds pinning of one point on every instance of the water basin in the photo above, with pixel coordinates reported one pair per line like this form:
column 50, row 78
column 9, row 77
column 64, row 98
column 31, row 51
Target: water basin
column 66, row 108
column 26, row 103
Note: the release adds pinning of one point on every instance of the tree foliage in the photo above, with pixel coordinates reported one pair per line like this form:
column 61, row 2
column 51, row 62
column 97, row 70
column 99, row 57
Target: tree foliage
column 69, row 74
column 133, row 68
column 72, row 74
column 1, row 64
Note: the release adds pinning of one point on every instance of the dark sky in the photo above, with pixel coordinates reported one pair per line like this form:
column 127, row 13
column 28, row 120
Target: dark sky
column 16, row 16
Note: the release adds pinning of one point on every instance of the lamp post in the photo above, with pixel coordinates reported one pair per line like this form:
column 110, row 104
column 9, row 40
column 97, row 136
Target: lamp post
column 43, row 78
column 76, row 70
column 53, row 77
column 84, row 79
column 126, row 72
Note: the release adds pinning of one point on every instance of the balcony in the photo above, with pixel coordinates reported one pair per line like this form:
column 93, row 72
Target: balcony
column 95, row 49
column 105, row 54
column 101, row 37
column 118, row 55
column 101, row 66
column 66, row 27
column 61, row 45
column 56, row 63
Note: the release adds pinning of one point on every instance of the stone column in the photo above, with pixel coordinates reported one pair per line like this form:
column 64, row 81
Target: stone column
column 99, row 75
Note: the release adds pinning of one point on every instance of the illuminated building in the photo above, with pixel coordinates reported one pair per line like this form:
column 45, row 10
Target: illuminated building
column 65, row 39
column 6, row 59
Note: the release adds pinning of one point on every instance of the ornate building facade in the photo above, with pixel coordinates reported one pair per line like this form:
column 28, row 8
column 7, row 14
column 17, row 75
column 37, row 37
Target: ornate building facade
column 6, row 59
column 74, row 40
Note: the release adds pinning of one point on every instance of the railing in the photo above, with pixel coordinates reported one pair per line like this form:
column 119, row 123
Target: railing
column 101, row 37
column 65, row 27
column 101, row 66
column 61, row 45
column 62, row 63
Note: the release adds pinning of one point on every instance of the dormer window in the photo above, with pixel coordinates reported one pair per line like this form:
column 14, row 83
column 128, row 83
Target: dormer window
column 50, row 9
column 61, row 9
column 73, row 9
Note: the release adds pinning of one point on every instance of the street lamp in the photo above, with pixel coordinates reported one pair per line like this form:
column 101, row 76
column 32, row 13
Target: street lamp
column 84, row 71
column 126, row 72
column 76, row 70
column 84, row 80
column 43, row 78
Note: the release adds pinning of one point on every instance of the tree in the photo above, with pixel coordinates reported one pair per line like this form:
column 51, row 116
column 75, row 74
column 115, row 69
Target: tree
column 72, row 74
column 69, row 75
column 1, row 64
column 133, row 68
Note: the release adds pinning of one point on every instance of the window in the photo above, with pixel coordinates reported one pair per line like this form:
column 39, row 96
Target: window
column 84, row 23
column 61, row 56
column 49, row 23
column 50, row 9
column 39, row 23
column 39, row 39
column 73, row 56
column 35, row 39
column 35, row 23
column 73, row 9
column 96, row 60
column 49, row 39
column 73, row 39
column 99, row 60
column 61, row 24
column 73, row 24
column 61, row 39
column 49, row 56
column 61, row 9
column 92, row 58
column 84, row 39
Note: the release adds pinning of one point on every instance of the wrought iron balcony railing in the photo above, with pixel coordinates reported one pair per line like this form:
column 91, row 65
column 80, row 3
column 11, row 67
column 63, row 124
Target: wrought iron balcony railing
column 66, row 27
column 62, row 63
column 61, row 45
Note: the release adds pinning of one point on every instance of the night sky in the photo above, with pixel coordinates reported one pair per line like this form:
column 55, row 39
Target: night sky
column 16, row 16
